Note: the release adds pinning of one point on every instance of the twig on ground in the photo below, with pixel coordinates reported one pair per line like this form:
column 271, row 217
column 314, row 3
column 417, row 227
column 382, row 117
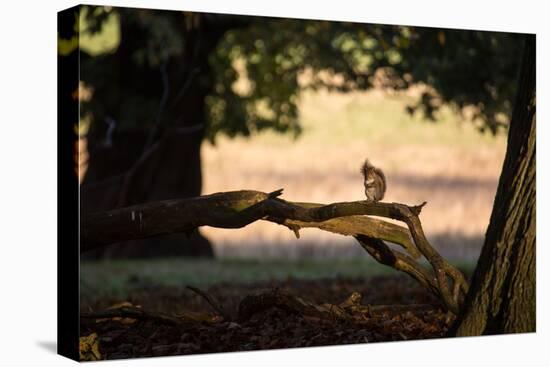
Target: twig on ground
column 216, row 306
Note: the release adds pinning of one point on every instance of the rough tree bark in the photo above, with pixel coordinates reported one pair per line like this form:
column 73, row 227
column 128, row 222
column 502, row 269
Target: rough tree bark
column 502, row 295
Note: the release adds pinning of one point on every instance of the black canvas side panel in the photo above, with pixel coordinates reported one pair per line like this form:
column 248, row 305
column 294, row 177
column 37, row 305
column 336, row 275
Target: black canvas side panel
column 67, row 185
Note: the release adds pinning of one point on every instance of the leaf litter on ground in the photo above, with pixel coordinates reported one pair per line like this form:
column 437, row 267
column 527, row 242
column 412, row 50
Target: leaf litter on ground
column 271, row 328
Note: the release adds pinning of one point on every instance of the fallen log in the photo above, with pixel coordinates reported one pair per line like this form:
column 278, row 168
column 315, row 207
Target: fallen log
column 237, row 209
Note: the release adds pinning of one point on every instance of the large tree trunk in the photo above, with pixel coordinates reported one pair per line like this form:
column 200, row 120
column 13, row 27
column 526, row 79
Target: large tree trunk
column 502, row 295
column 170, row 167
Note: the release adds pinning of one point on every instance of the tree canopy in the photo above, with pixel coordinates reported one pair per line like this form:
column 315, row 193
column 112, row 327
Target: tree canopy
column 155, row 83
column 259, row 66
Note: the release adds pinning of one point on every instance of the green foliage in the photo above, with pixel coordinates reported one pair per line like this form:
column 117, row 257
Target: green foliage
column 100, row 32
column 67, row 37
column 465, row 68
column 258, row 67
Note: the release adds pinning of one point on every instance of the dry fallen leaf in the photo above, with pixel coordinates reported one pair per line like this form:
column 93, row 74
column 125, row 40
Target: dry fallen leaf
column 89, row 348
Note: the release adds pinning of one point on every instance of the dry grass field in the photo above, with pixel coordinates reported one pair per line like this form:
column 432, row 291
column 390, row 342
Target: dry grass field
column 449, row 164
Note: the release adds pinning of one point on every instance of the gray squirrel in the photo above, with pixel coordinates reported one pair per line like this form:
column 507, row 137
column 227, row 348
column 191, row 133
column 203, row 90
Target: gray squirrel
column 375, row 182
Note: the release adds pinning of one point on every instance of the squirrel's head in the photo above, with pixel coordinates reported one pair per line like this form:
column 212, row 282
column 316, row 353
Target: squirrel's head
column 366, row 169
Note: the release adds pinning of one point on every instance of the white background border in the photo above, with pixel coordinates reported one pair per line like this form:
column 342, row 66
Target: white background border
column 28, row 183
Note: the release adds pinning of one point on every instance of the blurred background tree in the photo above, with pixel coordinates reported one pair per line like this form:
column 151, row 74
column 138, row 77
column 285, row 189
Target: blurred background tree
column 160, row 82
